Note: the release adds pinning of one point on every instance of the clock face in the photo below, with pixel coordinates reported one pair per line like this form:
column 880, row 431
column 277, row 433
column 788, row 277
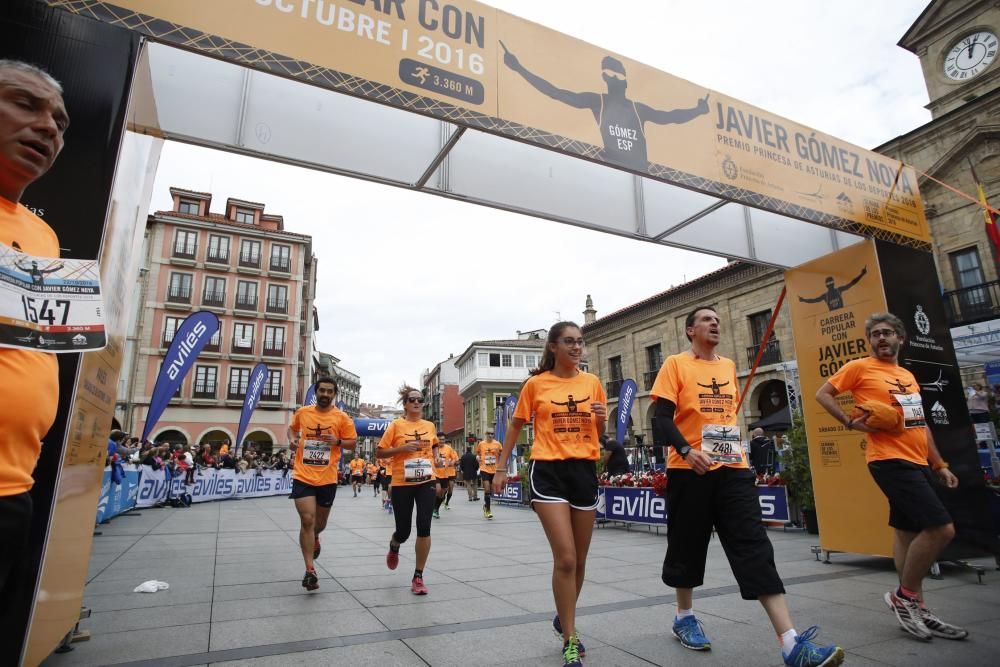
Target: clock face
column 970, row 56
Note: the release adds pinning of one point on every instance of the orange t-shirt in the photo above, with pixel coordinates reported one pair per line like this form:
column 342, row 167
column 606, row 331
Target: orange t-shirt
column 450, row 457
column 370, row 468
column 872, row 379
column 357, row 466
column 560, row 408
column 29, row 390
column 410, row 468
column 488, row 454
column 317, row 460
column 706, row 394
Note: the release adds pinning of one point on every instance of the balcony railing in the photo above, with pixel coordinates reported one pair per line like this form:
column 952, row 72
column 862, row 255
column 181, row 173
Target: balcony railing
column 271, row 394
column 179, row 295
column 217, row 256
column 168, row 338
column 772, row 353
column 236, row 393
column 274, row 349
column 283, row 264
column 969, row 305
column 217, row 299
column 203, row 391
column 250, row 260
column 243, row 346
column 184, row 253
column 648, row 378
column 614, row 387
column 246, row 301
column 277, row 306
column 212, row 347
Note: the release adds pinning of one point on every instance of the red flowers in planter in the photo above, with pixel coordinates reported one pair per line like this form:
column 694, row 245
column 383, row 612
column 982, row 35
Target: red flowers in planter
column 656, row 480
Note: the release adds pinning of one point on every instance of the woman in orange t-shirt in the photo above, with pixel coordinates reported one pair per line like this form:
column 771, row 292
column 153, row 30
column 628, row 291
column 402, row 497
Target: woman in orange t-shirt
column 568, row 407
column 411, row 444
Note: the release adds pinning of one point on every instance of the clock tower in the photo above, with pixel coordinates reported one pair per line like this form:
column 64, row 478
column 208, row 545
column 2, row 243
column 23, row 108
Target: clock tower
column 956, row 41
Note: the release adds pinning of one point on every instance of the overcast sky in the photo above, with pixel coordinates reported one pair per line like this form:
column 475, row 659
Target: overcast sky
column 407, row 281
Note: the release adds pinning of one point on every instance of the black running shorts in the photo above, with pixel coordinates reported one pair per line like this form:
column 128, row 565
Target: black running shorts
column 573, row 481
column 913, row 503
column 324, row 494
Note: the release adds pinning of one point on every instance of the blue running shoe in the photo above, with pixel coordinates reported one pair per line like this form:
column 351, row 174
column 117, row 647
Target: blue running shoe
column 808, row 654
column 557, row 628
column 571, row 653
column 691, row 635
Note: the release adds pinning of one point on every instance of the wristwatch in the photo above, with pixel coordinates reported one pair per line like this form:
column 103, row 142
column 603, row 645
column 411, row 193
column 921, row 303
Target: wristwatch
column 683, row 451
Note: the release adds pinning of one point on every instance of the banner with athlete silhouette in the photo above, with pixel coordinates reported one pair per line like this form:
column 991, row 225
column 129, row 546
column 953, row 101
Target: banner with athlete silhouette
column 830, row 300
column 190, row 339
column 475, row 66
column 255, row 386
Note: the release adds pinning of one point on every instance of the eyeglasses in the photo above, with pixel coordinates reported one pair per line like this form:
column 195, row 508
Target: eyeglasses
column 883, row 333
column 570, row 342
column 414, row 399
column 614, row 75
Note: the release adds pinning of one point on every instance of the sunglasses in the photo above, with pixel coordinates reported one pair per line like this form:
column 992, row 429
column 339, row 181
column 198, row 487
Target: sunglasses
column 414, row 399
column 570, row 342
column 614, row 75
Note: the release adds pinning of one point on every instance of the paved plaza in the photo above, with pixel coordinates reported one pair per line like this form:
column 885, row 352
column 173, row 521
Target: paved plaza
column 235, row 596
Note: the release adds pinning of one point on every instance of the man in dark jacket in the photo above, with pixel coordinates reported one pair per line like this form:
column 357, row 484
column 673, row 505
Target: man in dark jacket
column 470, row 473
column 615, row 459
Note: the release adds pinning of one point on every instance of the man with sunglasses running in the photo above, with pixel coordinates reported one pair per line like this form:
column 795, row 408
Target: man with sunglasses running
column 898, row 461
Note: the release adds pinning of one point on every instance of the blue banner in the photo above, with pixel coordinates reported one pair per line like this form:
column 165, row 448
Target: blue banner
column 120, row 497
column 513, row 493
column 370, row 428
column 341, row 406
column 992, row 369
column 509, row 406
column 642, row 505
column 310, row 395
column 626, row 399
column 497, row 419
column 190, row 338
column 258, row 376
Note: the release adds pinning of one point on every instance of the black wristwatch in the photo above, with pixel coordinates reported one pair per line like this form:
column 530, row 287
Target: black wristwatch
column 683, row 451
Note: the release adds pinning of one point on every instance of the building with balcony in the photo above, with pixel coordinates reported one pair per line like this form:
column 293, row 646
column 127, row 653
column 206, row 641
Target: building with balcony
column 442, row 402
column 634, row 341
column 259, row 280
column 348, row 389
column 491, row 370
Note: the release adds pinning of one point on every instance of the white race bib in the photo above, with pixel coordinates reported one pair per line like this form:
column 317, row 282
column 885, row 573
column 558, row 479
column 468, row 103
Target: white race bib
column 316, row 453
column 417, row 470
column 489, row 460
column 49, row 304
column 913, row 410
column 721, row 442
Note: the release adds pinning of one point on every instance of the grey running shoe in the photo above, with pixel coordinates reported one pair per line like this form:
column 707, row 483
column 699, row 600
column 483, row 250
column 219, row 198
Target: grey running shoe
column 908, row 614
column 939, row 628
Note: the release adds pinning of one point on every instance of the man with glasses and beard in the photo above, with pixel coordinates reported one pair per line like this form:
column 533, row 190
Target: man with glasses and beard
column 898, row 461
column 317, row 435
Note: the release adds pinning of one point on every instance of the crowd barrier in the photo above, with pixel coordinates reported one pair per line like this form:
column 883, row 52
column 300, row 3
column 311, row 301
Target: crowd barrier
column 642, row 505
column 211, row 484
column 118, row 496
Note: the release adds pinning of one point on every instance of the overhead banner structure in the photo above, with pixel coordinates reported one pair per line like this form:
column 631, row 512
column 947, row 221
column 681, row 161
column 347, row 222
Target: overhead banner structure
column 830, row 300
column 191, row 337
column 477, row 67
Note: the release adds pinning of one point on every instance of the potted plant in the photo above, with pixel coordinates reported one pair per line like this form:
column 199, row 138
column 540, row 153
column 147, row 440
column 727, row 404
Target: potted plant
column 797, row 474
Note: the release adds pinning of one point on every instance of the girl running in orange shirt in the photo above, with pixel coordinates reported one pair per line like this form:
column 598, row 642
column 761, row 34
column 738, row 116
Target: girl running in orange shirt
column 412, row 445
column 569, row 410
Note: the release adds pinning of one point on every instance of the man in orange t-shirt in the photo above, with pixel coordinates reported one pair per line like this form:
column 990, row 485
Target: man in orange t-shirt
column 710, row 485
column 357, row 473
column 488, row 453
column 445, row 474
column 33, row 120
column 318, row 433
column 898, row 461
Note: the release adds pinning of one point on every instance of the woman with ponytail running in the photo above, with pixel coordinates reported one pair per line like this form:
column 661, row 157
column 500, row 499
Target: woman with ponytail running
column 568, row 408
column 412, row 445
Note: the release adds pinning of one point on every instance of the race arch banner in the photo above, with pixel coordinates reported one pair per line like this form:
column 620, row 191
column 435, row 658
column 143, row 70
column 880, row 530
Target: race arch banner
column 473, row 65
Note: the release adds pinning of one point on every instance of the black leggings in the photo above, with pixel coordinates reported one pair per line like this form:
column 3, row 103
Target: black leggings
column 403, row 500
